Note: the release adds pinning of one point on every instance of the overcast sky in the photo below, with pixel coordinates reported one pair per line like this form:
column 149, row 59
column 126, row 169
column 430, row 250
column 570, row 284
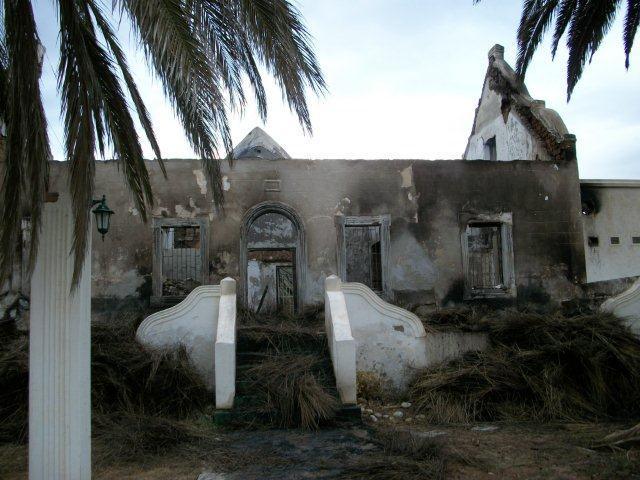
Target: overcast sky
column 404, row 79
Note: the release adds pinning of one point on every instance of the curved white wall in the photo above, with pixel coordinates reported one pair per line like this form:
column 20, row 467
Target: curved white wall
column 192, row 323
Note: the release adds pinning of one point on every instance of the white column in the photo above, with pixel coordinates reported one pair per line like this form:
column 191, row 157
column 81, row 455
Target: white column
column 342, row 346
column 225, row 350
column 59, row 354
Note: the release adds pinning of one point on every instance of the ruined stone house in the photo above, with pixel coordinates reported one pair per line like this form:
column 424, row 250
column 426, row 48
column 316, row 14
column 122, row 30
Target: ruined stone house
column 505, row 223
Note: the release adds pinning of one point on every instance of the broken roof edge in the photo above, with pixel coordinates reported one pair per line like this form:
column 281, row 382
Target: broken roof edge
column 610, row 183
column 544, row 123
column 259, row 144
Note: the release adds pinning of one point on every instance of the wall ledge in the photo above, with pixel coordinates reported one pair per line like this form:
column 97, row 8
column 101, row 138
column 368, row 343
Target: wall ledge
column 626, row 298
column 182, row 308
column 409, row 320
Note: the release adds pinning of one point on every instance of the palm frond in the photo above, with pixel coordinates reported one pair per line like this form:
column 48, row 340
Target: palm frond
column 27, row 145
column 537, row 15
column 95, row 112
column 566, row 10
column 283, row 45
column 180, row 61
column 589, row 24
column 202, row 51
column 116, row 51
column 631, row 22
column 4, row 66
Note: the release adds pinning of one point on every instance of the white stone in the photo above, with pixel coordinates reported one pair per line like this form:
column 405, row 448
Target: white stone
column 484, row 428
column 212, row 476
column 59, row 354
column 405, row 404
column 398, row 414
column 205, row 323
column 342, row 346
column 373, row 418
column 392, row 342
column 420, row 416
column 626, row 306
column 379, row 415
column 225, row 349
column 430, row 434
column 192, row 323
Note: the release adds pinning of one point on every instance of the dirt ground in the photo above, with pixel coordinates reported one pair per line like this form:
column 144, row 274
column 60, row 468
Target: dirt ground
column 484, row 451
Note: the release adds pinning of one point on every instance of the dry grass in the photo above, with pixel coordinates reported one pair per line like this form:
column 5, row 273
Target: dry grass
column 405, row 457
column 287, row 379
column 14, row 386
column 539, row 367
column 290, row 390
column 370, row 386
column 465, row 318
column 126, row 379
column 277, row 332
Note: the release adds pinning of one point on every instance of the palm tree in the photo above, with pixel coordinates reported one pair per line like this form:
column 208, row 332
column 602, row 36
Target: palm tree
column 201, row 50
column 588, row 22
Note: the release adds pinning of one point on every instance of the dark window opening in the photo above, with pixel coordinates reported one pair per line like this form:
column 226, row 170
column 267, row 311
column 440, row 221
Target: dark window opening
column 593, row 241
column 635, row 240
column 615, row 240
column 376, row 267
column 181, row 260
column 490, row 149
column 364, row 255
column 484, row 243
column 185, row 237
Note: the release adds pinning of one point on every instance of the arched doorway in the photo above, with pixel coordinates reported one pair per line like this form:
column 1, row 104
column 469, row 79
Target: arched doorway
column 272, row 258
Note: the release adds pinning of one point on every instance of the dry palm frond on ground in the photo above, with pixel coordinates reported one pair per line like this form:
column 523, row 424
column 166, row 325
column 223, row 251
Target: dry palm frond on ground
column 285, row 376
column 538, row 367
column 125, row 379
column 404, row 457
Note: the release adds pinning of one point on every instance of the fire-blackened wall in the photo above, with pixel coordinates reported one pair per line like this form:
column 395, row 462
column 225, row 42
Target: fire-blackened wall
column 426, row 201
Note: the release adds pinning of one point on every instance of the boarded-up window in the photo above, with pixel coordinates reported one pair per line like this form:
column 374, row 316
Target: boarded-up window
column 484, row 243
column 363, row 255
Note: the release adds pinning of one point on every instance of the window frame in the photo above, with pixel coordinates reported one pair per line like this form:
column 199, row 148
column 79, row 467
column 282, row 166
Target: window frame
column 505, row 220
column 381, row 221
column 158, row 225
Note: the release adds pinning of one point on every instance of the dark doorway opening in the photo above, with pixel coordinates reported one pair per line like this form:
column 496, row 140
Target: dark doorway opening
column 271, row 280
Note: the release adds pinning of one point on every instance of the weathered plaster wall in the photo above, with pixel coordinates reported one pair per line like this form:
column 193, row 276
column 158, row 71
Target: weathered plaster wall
column 544, row 199
column 423, row 198
column 513, row 139
column 616, row 215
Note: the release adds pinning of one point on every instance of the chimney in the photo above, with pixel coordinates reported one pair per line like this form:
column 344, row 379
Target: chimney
column 496, row 53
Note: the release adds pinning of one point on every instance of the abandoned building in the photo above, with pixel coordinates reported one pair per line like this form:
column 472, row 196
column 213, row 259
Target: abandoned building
column 509, row 222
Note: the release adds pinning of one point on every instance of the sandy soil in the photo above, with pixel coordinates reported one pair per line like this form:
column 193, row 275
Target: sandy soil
column 484, row 451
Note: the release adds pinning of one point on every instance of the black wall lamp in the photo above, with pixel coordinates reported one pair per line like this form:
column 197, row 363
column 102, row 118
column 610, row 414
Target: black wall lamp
column 103, row 215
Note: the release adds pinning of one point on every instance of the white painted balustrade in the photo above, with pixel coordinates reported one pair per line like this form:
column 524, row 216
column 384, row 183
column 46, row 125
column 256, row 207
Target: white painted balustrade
column 386, row 340
column 205, row 324
column 225, row 349
column 342, row 346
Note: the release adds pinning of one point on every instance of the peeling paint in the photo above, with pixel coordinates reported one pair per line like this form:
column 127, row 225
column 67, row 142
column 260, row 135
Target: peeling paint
column 160, row 212
column 226, row 184
column 134, row 211
column 201, row 180
column 342, row 205
column 407, row 177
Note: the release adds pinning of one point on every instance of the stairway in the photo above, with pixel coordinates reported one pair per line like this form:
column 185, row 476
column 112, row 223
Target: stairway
column 284, row 376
